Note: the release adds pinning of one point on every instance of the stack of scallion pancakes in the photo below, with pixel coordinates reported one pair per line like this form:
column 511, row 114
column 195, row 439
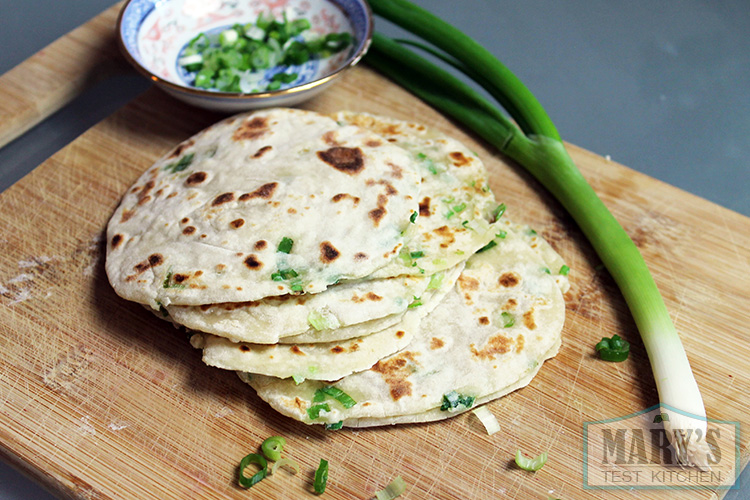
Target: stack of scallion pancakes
column 354, row 270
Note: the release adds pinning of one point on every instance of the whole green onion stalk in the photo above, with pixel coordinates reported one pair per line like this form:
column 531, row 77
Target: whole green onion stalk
column 536, row 145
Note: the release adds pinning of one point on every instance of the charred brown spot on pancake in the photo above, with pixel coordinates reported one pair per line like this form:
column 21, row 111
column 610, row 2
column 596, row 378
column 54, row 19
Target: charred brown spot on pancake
column 188, row 230
column 328, row 252
column 395, row 372
column 185, row 220
column 143, row 195
column 253, row 263
column 376, row 215
column 528, row 319
column 181, row 148
column 127, row 215
column 497, row 344
column 436, row 343
column 459, row 159
column 343, row 196
column 354, row 347
column 359, row 256
column 484, row 320
column 374, row 143
column 468, row 282
column 520, row 341
column 237, row 223
column 424, row 207
column 222, row 198
column 296, row 350
column 509, row 279
column 400, row 333
column 291, row 210
column 196, row 178
column 159, row 193
column 330, row 138
column 251, row 129
column 510, row 304
column 337, row 349
column 396, row 171
column 153, row 260
column 262, row 151
column 347, row 160
column 446, row 234
column 220, row 268
column 265, row 192
column 180, row 278
column 373, row 297
column 116, row 240
column 244, row 348
column 260, row 244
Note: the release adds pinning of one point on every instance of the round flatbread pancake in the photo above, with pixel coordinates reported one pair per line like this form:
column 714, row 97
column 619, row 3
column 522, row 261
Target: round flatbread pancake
column 275, row 202
column 497, row 325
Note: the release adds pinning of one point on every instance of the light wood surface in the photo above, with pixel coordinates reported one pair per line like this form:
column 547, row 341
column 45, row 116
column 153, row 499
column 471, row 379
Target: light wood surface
column 57, row 74
column 99, row 399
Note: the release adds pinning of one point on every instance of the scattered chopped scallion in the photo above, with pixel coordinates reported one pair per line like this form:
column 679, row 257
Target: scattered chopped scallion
column 285, row 462
column 413, row 218
column 286, row 245
column 564, row 270
column 336, row 393
column 335, row 426
column 272, row 447
column 252, row 458
column 508, row 319
column 531, row 464
column 416, row 302
column 314, row 411
column 436, row 280
column 501, row 234
column 546, row 270
column 489, row 245
column 322, row 319
column 321, row 477
column 455, row 401
column 416, row 255
column 615, row 349
column 181, row 164
column 488, row 419
column 498, row 212
column 298, row 379
column 393, row 490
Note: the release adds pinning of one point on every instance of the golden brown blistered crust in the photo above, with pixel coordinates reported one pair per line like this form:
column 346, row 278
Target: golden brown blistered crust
column 497, row 344
column 251, row 129
column 395, row 372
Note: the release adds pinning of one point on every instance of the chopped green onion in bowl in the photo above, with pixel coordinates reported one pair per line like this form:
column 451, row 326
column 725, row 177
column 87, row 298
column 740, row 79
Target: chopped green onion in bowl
column 236, row 59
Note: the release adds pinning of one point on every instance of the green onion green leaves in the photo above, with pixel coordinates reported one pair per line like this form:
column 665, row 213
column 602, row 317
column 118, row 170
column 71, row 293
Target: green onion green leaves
column 321, row 477
column 614, row 349
column 252, row 458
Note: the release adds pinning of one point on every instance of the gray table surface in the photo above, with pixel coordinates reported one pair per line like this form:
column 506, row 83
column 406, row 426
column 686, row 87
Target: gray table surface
column 662, row 87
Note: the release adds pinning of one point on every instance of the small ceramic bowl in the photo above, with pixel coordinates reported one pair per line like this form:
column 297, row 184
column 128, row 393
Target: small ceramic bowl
column 153, row 34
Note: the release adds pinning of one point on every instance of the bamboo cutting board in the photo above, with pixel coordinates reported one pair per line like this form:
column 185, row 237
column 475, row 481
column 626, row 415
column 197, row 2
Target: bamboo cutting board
column 99, row 399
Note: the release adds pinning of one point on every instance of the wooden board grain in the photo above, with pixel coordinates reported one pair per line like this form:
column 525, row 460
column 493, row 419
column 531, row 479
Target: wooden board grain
column 57, row 74
column 100, row 399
